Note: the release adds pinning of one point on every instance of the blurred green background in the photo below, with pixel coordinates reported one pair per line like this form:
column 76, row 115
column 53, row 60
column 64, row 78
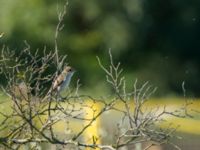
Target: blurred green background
column 156, row 41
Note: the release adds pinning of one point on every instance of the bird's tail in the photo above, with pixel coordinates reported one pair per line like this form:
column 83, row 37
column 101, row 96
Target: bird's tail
column 49, row 92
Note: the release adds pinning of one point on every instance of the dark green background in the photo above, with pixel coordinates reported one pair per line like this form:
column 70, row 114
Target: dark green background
column 156, row 41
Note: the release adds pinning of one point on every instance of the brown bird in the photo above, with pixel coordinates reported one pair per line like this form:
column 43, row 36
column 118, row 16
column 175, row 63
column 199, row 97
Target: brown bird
column 62, row 81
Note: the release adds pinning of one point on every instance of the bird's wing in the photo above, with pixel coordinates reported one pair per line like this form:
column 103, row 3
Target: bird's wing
column 59, row 80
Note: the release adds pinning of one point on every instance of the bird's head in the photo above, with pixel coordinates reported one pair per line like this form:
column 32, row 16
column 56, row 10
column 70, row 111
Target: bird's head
column 68, row 70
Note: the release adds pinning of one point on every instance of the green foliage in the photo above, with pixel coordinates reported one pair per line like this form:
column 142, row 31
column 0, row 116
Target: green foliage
column 154, row 40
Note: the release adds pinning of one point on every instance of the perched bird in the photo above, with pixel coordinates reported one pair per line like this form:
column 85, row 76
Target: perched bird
column 62, row 81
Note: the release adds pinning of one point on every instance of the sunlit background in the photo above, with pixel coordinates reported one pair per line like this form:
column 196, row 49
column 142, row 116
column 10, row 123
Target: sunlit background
column 155, row 41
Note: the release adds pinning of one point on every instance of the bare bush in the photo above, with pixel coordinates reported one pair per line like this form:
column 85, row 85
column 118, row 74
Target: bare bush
column 34, row 115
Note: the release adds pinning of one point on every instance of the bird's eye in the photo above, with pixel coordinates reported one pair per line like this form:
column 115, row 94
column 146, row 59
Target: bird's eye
column 70, row 70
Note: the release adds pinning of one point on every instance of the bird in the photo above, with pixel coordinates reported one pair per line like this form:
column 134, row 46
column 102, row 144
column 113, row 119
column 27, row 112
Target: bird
column 62, row 81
